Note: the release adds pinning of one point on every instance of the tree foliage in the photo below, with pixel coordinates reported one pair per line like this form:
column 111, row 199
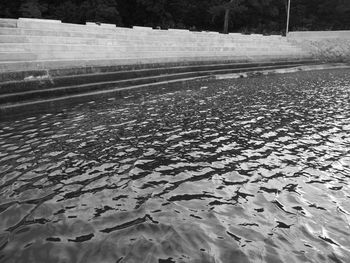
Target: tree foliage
column 104, row 11
column 32, row 8
column 254, row 16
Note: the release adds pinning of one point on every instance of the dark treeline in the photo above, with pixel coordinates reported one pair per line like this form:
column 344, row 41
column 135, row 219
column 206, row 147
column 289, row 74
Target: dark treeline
column 253, row 16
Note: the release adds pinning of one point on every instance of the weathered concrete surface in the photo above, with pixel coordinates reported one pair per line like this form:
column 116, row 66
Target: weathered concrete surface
column 51, row 92
column 37, row 44
column 324, row 45
column 342, row 34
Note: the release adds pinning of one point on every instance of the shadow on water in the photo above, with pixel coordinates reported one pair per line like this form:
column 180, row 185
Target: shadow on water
column 245, row 170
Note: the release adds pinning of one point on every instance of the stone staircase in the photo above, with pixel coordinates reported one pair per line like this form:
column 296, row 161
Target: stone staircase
column 48, row 63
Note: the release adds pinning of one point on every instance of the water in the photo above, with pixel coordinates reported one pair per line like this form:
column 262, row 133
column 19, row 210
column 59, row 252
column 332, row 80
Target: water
column 244, row 170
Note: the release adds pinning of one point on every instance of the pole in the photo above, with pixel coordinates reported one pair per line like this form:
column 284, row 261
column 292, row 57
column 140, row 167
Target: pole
column 288, row 16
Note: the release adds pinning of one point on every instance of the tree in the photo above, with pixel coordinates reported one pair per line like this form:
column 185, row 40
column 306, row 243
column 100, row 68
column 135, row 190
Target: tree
column 227, row 16
column 104, row 11
column 154, row 13
column 252, row 16
column 269, row 15
column 31, row 9
column 233, row 6
column 66, row 11
column 9, row 9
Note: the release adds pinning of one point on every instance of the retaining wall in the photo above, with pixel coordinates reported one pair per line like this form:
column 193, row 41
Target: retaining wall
column 323, row 45
column 319, row 35
column 32, row 44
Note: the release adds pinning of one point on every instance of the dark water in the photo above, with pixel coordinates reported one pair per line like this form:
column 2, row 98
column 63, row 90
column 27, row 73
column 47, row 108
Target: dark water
column 246, row 170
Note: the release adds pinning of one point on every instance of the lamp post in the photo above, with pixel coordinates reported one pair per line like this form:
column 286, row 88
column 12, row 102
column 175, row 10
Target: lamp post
column 288, row 16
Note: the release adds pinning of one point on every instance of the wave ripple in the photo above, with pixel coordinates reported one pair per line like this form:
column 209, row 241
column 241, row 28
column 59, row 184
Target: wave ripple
column 245, row 170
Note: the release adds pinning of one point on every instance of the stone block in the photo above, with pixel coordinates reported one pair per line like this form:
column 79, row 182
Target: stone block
column 17, row 56
column 101, row 25
column 36, row 20
column 12, row 39
column 124, row 29
column 9, row 31
column 8, row 23
column 178, row 30
column 142, row 28
column 38, row 23
column 342, row 34
column 57, row 26
column 5, row 47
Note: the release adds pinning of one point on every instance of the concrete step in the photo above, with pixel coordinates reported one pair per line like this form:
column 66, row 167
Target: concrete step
column 87, row 47
column 134, row 35
column 36, row 25
column 15, row 47
column 32, row 40
column 19, row 52
column 17, row 56
column 150, row 55
column 10, row 31
column 143, row 44
column 55, row 25
column 45, row 99
column 13, row 70
column 26, row 108
column 63, row 91
column 42, row 49
column 14, row 39
column 8, row 23
column 63, row 78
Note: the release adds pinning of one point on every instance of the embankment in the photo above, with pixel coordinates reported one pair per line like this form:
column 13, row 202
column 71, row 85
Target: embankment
column 329, row 46
column 46, row 64
column 28, row 44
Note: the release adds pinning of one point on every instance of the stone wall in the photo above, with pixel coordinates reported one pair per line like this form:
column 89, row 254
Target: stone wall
column 41, row 44
column 330, row 46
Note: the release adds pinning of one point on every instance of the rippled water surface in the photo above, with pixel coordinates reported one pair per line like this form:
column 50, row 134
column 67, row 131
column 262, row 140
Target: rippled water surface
column 245, row 170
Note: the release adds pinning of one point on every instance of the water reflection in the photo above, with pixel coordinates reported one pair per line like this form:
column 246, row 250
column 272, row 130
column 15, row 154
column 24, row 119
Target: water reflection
column 245, row 170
